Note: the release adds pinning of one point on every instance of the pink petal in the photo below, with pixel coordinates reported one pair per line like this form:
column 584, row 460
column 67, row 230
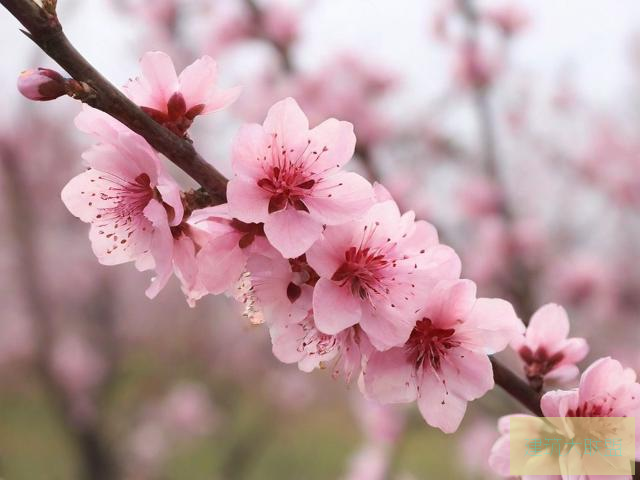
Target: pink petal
column 221, row 262
column 439, row 408
column 160, row 75
column 99, row 124
column 497, row 323
column 292, row 231
column 171, row 195
column 286, row 342
column 468, row 374
column 563, row 374
column 334, row 307
column 109, row 250
column 81, row 195
column 220, row 99
column 161, row 247
column 249, row 149
column 107, row 159
column 198, row 80
column 440, row 262
column 335, row 143
column 247, row 201
column 449, row 301
column 548, row 327
column 138, row 152
column 386, row 326
column 385, row 217
column 556, row 403
column 289, row 123
column 390, row 377
column 351, row 196
column 603, row 375
column 423, row 236
column 500, row 456
column 328, row 253
column 186, row 268
column 381, row 193
column 574, row 350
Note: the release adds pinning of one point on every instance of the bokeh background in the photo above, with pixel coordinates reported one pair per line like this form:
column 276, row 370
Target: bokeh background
column 512, row 125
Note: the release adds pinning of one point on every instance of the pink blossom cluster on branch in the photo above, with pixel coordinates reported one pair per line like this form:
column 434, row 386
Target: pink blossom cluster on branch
column 326, row 260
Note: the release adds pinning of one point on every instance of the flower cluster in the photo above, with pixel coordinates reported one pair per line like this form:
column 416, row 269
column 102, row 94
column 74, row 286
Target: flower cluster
column 337, row 272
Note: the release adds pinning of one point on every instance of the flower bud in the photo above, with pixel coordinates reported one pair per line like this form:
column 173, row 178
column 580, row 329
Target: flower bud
column 41, row 84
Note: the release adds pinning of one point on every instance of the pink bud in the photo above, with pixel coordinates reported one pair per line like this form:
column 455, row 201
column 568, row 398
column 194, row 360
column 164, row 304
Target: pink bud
column 41, row 84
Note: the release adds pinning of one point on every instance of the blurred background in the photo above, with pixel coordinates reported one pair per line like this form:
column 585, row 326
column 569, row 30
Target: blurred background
column 512, row 125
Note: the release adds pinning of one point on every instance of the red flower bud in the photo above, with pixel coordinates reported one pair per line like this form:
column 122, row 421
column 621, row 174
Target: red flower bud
column 41, row 84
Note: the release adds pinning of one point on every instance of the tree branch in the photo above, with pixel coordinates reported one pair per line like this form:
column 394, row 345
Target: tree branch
column 45, row 30
column 516, row 387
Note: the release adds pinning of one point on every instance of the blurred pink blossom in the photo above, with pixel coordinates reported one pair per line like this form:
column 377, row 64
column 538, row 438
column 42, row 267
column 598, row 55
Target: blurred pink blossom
column 474, row 67
column 510, row 18
column 480, row 197
column 280, row 23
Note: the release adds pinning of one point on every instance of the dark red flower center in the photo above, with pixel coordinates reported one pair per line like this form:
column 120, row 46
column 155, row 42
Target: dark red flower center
column 176, row 117
column 538, row 363
column 429, row 343
column 287, row 186
column 362, row 271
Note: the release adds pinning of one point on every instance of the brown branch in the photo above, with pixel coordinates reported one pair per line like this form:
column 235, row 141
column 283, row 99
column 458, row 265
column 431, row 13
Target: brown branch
column 516, row 387
column 45, row 30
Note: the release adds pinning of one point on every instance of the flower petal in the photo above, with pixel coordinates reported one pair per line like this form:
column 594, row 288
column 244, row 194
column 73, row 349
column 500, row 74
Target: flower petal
column 287, row 120
column 292, row 231
column 247, row 201
column 161, row 247
column 390, row 378
column 160, row 76
column 198, row 80
column 440, row 408
column 334, row 142
column 334, row 307
column 351, row 196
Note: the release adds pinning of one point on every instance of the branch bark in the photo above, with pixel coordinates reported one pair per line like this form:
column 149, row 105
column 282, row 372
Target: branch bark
column 516, row 387
column 45, row 30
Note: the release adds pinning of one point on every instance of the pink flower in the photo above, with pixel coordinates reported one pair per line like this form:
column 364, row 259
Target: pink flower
column 510, row 18
column 474, row 68
column 606, row 390
column 41, row 84
column 303, row 343
column 131, row 204
column 500, row 455
column 444, row 363
column 288, row 177
column 480, row 197
column 221, row 247
column 283, row 287
column 547, row 352
column 280, row 23
column 372, row 271
column 172, row 100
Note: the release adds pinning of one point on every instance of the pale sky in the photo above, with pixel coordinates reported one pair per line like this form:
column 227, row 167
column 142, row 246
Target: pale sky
column 589, row 38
